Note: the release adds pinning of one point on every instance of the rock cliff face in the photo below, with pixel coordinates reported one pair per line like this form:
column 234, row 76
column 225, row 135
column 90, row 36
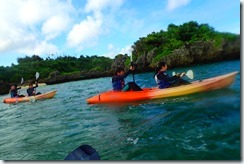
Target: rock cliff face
column 119, row 61
column 4, row 88
column 196, row 53
column 55, row 78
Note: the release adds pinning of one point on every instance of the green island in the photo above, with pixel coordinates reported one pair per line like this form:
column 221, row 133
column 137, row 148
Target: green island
column 180, row 46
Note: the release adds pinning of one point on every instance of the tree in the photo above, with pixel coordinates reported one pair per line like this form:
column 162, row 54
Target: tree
column 29, row 59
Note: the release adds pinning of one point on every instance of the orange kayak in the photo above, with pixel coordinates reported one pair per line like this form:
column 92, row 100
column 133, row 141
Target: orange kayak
column 217, row 82
column 47, row 95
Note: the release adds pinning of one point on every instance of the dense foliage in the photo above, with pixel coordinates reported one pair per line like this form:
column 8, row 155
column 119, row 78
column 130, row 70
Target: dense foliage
column 163, row 42
column 28, row 66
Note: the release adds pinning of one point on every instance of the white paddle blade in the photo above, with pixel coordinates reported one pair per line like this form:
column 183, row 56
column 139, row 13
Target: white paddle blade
column 37, row 75
column 190, row 74
column 131, row 59
column 173, row 73
column 22, row 81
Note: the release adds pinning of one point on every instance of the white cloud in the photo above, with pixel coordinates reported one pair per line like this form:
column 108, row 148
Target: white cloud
column 40, row 48
column 30, row 26
column 173, row 4
column 30, row 13
column 114, row 51
column 99, row 5
column 54, row 26
column 35, row 11
column 20, row 22
column 126, row 50
column 86, row 32
column 15, row 39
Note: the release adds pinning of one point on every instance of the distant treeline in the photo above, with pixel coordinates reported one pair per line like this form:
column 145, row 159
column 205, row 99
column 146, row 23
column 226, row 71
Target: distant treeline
column 28, row 66
column 164, row 42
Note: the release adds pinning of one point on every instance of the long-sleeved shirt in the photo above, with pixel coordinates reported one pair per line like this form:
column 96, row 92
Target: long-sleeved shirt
column 14, row 92
column 118, row 81
column 163, row 80
column 30, row 91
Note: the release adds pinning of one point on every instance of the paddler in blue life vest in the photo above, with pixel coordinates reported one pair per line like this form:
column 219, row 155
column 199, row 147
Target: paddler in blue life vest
column 14, row 91
column 118, row 81
column 163, row 80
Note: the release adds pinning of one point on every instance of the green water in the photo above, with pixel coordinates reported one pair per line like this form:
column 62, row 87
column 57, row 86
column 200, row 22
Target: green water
column 203, row 126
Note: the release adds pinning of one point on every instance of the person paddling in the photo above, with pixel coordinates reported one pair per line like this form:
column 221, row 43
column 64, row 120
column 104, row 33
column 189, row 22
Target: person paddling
column 31, row 91
column 163, row 80
column 118, row 81
column 14, row 91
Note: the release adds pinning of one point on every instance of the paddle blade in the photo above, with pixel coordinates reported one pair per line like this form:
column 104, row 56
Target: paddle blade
column 37, row 75
column 190, row 74
column 84, row 152
column 131, row 58
column 22, row 81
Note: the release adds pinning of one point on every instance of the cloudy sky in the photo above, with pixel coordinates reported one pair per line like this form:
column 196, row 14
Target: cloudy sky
column 99, row 27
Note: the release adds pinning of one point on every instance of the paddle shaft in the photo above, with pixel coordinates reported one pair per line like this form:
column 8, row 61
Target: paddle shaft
column 37, row 76
column 133, row 75
column 132, row 65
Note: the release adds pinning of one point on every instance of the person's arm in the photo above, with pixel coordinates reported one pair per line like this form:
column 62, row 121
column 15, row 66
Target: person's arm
column 164, row 77
column 127, row 73
column 118, row 78
column 36, row 86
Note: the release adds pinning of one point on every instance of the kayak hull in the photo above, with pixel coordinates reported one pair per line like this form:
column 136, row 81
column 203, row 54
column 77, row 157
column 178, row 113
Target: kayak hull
column 217, row 82
column 47, row 95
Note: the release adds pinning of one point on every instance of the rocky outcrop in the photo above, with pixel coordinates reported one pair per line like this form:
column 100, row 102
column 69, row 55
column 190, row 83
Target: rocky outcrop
column 55, row 78
column 4, row 87
column 195, row 53
column 144, row 61
column 119, row 61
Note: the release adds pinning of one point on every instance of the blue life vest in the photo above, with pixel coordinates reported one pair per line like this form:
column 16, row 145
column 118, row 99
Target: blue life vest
column 161, row 83
column 118, row 85
column 13, row 93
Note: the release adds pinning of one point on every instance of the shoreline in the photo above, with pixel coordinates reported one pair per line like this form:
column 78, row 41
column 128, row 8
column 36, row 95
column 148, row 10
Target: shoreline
column 39, row 85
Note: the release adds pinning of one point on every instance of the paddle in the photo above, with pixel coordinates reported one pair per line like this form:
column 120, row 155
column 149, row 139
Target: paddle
column 132, row 64
column 83, row 152
column 189, row 74
column 22, row 81
column 37, row 76
column 33, row 99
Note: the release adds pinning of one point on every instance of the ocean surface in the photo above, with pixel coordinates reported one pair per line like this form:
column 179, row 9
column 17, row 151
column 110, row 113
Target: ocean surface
column 202, row 126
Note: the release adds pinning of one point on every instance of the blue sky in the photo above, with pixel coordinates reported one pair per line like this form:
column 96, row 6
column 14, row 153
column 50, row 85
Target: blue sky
column 99, row 27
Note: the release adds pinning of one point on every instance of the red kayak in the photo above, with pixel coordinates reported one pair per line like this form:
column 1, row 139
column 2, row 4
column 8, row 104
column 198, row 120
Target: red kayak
column 155, row 93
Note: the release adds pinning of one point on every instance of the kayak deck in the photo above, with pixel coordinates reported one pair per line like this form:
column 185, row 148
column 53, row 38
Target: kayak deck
column 46, row 95
column 217, row 82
